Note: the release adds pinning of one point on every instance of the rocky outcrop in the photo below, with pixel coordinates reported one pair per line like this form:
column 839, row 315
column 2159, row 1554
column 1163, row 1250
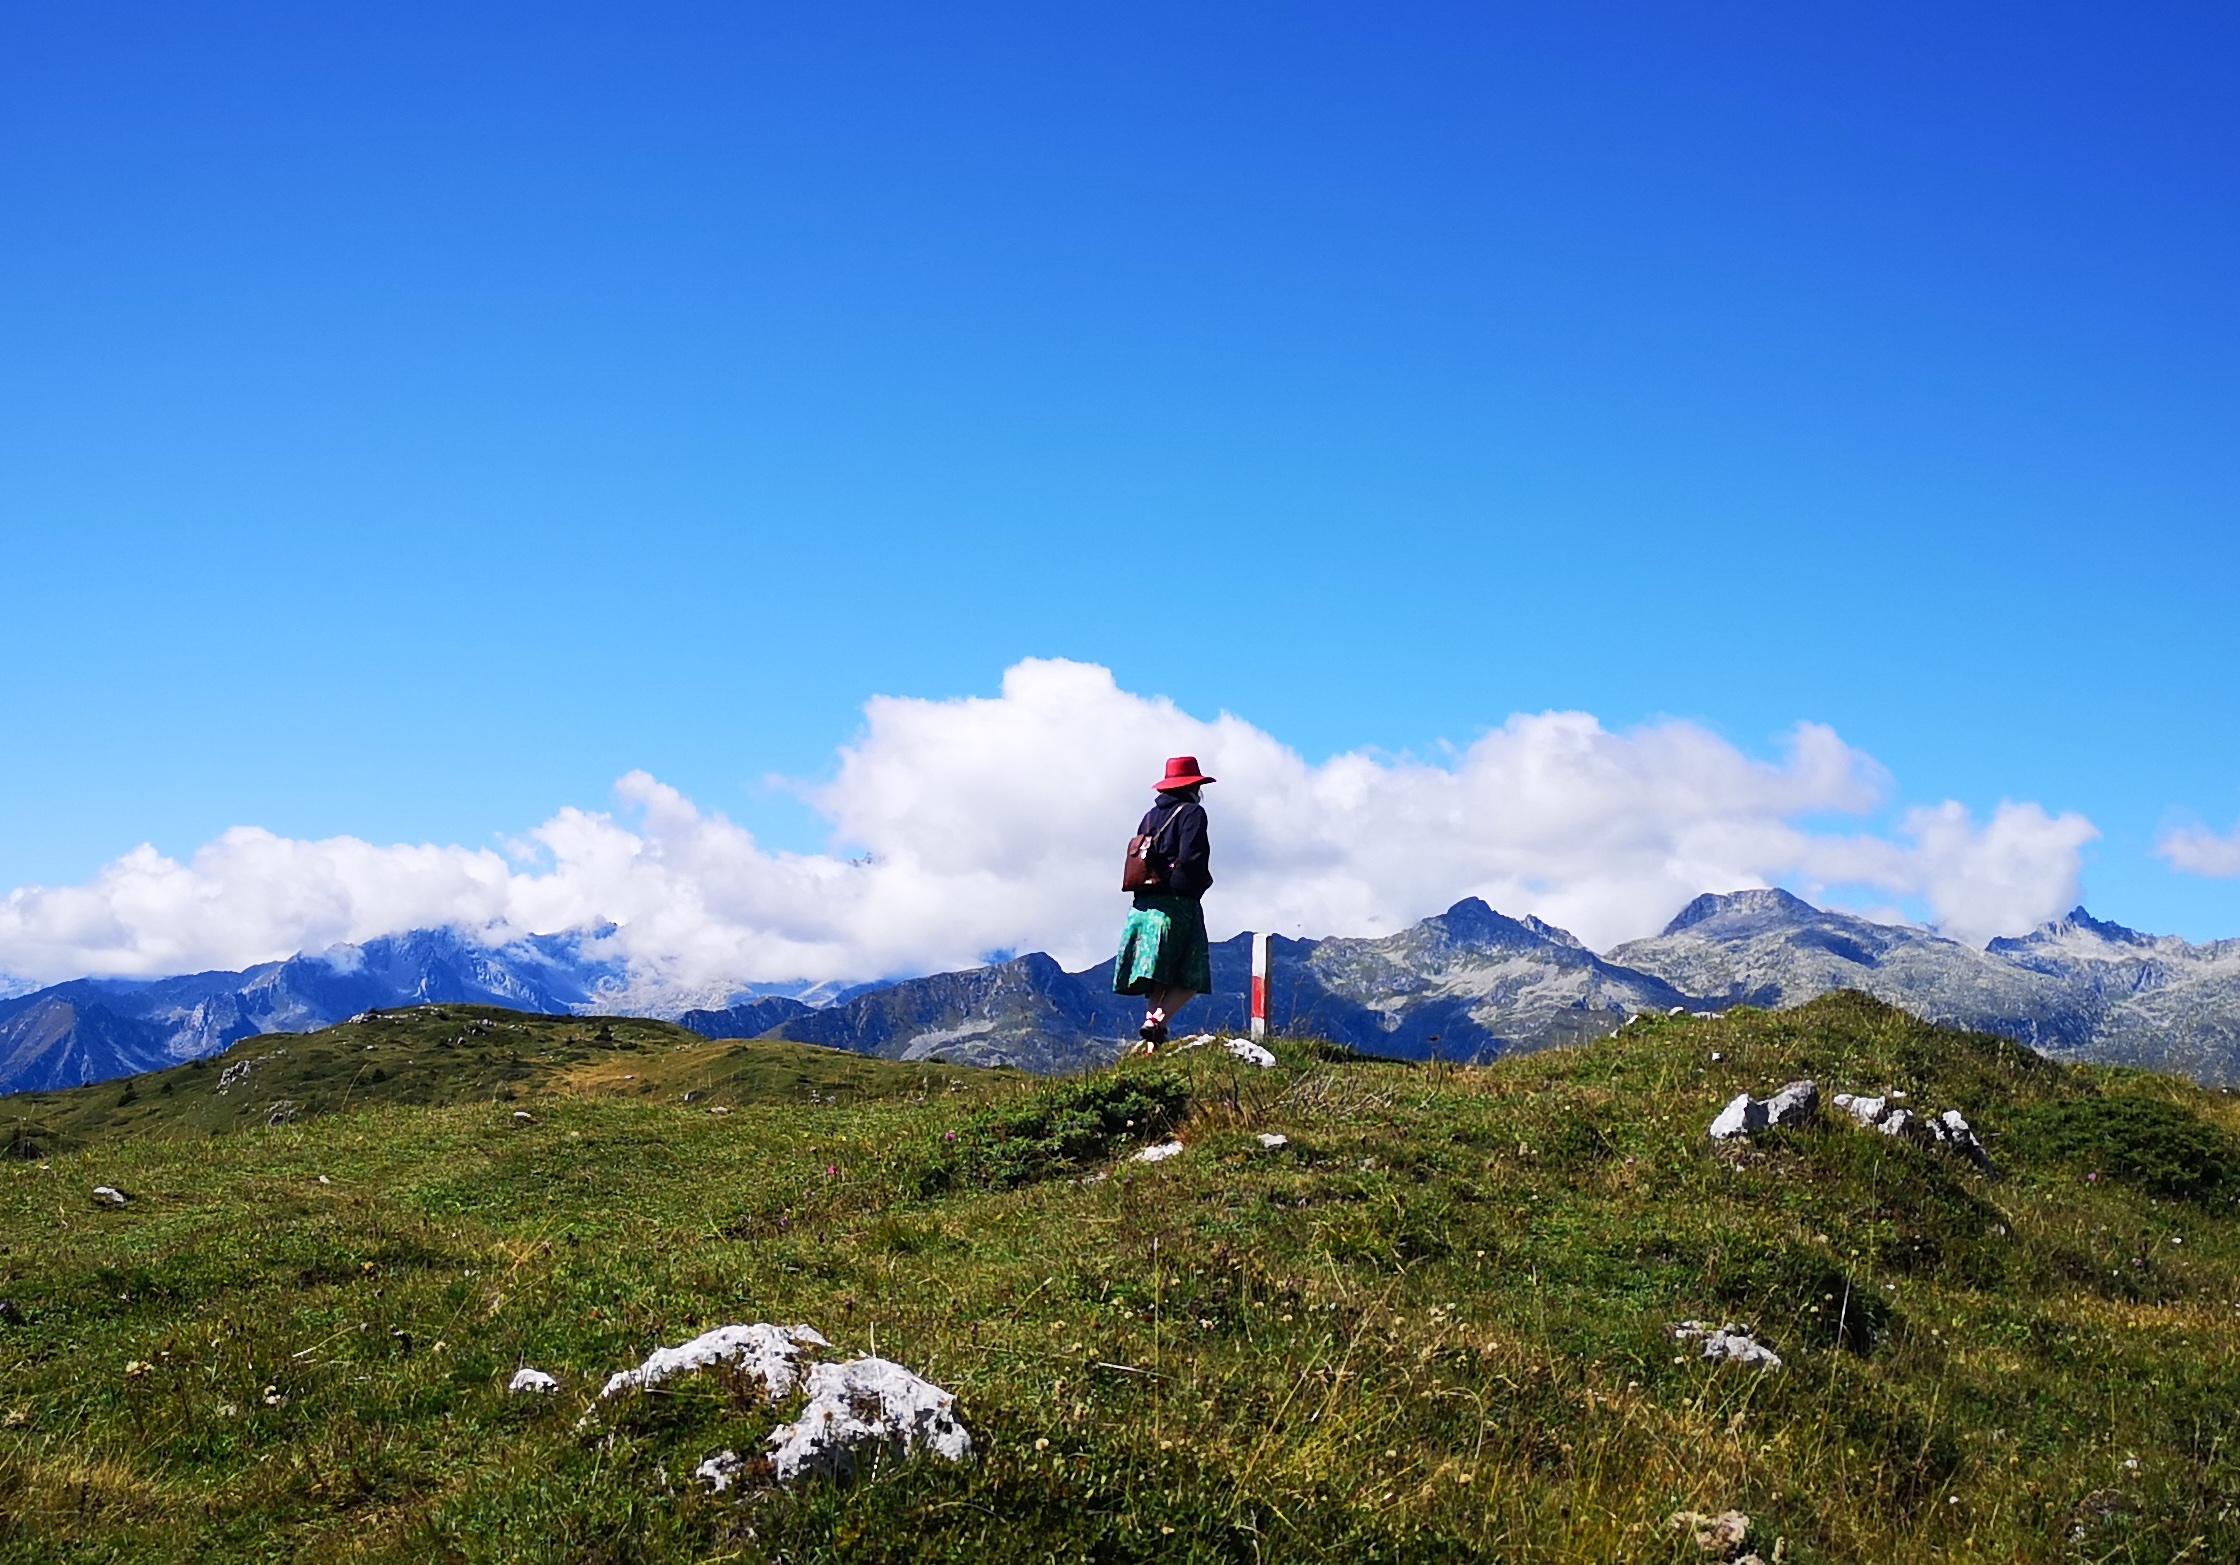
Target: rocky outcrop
column 860, row 1409
column 1949, row 1129
column 1796, row 1104
column 853, row 1412
column 771, row 1354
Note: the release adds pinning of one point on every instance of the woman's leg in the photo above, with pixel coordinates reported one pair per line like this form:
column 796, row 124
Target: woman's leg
column 1159, row 1006
column 1154, row 1027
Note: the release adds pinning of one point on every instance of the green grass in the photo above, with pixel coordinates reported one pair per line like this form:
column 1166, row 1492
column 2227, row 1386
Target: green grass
column 433, row 1055
column 1434, row 1326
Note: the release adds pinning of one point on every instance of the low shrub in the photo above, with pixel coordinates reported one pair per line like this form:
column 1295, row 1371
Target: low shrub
column 1062, row 1127
column 2146, row 1142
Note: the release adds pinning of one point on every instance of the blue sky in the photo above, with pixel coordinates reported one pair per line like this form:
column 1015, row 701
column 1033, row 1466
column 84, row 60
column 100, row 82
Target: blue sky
column 413, row 420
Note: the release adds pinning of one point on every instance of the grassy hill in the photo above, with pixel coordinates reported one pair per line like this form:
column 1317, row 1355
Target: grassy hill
column 440, row 1054
column 1435, row 1325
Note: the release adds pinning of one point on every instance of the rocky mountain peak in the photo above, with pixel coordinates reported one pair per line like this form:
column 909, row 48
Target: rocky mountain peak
column 2066, row 930
column 1765, row 902
column 1550, row 933
column 1475, row 923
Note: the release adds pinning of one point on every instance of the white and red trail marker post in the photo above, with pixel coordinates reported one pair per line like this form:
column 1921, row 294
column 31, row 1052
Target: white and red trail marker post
column 1260, row 986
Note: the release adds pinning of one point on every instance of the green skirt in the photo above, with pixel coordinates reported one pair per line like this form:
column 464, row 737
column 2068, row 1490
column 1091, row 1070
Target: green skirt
column 1164, row 946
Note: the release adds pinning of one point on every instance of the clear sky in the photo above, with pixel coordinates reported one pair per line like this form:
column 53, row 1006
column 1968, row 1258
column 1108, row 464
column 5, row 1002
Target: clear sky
column 413, row 418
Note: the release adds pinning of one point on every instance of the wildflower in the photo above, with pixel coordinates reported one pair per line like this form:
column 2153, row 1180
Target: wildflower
column 137, row 1369
column 951, row 1136
column 831, row 1169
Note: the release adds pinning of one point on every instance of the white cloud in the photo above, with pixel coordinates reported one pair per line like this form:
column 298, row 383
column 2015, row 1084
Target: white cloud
column 2196, row 850
column 1975, row 878
column 973, row 825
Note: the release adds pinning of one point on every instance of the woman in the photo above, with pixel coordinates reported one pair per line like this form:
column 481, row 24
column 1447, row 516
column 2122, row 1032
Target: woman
column 1163, row 952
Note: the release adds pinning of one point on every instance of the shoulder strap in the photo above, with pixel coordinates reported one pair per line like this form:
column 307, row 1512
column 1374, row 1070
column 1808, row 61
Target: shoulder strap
column 1173, row 815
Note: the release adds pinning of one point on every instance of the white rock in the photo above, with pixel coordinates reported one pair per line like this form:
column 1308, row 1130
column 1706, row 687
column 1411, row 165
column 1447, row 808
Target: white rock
column 1794, row 1104
column 1949, row 1129
column 1953, row 1130
column 1738, row 1118
column 767, row 1352
column 1159, row 1153
column 523, row 1117
column 1726, row 1347
column 1242, row 1048
column 1867, row 1111
column 720, row 1471
column 532, row 1380
column 865, row 1402
column 1721, row 1535
column 1798, row 1103
column 1271, row 1141
column 108, row 1196
column 1729, row 1344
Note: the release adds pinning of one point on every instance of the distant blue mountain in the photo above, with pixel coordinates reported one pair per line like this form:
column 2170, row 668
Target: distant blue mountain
column 92, row 1029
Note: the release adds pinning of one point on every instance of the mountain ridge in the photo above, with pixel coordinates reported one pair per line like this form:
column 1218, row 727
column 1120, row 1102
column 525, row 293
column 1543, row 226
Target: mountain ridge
column 1470, row 983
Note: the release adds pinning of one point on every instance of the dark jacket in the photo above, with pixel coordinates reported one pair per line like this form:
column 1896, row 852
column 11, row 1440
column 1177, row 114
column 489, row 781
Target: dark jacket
column 1177, row 829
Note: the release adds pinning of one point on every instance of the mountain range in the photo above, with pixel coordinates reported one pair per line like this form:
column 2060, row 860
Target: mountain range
column 1468, row 984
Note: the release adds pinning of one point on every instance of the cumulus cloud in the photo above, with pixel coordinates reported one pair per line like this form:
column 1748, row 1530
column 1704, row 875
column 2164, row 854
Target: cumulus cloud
column 961, row 827
column 2196, row 850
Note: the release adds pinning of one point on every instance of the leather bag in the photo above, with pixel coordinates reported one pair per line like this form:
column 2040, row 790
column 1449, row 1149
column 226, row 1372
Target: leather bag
column 1139, row 871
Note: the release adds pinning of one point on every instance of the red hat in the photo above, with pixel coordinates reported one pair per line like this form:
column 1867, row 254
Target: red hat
column 1182, row 772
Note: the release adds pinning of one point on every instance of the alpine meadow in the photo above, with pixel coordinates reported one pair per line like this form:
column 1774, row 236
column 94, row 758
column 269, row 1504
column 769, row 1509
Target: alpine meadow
column 1436, row 1320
